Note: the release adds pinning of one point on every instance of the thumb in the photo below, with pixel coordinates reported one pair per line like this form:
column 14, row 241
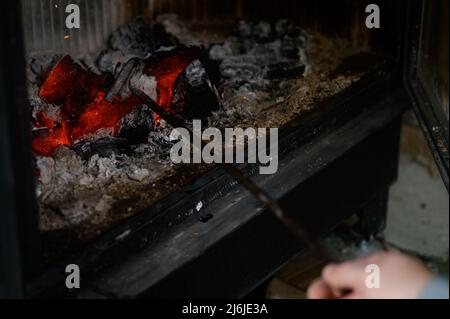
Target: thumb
column 348, row 276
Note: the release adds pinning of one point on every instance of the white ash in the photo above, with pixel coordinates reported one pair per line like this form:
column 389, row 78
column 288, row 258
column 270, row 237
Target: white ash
column 104, row 132
column 138, row 174
column 133, row 40
column 112, row 61
column 75, row 191
column 38, row 65
column 246, row 56
column 158, row 144
column 144, row 82
column 195, row 73
column 176, row 28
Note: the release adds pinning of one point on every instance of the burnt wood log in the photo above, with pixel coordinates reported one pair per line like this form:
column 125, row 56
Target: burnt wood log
column 134, row 39
column 285, row 70
column 137, row 125
column 103, row 147
column 260, row 54
column 195, row 92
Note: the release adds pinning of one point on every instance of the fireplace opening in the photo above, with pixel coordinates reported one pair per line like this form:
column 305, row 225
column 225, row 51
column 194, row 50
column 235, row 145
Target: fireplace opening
column 102, row 156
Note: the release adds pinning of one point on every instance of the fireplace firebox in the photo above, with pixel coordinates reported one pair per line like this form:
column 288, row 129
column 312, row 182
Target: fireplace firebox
column 86, row 173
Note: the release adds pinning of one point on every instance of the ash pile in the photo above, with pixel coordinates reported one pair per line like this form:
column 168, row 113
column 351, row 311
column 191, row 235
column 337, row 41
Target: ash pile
column 91, row 154
column 259, row 56
column 256, row 62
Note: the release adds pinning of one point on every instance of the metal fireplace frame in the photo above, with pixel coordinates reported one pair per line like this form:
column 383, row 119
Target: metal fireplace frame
column 334, row 162
column 170, row 253
column 18, row 227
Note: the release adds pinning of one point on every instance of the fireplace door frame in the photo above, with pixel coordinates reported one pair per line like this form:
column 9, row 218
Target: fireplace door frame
column 19, row 235
column 20, row 250
column 428, row 109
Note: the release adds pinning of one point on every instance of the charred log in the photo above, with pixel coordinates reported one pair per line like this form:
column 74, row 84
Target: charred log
column 260, row 54
column 285, row 70
column 195, row 92
column 137, row 125
column 134, row 39
column 103, row 147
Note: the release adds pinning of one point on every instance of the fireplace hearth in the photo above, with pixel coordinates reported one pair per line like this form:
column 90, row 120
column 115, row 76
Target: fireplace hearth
column 92, row 153
column 86, row 163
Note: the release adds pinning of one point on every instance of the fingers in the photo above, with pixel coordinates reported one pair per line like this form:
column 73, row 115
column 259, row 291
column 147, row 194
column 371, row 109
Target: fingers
column 346, row 280
column 346, row 276
column 319, row 290
column 403, row 277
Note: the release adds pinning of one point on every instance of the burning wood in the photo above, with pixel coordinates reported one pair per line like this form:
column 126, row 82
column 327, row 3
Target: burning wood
column 84, row 141
column 137, row 125
column 85, row 110
column 167, row 67
column 69, row 82
column 256, row 58
column 103, row 147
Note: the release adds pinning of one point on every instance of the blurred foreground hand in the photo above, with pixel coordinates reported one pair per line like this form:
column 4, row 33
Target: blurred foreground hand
column 399, row 277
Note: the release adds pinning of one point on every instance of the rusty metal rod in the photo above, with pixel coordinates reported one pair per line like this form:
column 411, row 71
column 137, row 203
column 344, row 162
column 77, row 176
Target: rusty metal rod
column 307, row 238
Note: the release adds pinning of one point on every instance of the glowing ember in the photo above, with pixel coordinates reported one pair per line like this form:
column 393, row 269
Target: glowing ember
column 166, row 69
column 42, row 120
column 58, row 134
column 69, row 80
column 102, row 114
column 84, row 110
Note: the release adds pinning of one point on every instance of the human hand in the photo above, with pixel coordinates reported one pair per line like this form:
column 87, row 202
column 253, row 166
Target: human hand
column 401, row 277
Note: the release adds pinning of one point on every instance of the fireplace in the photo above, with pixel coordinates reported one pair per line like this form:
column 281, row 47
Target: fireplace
column 89, row 157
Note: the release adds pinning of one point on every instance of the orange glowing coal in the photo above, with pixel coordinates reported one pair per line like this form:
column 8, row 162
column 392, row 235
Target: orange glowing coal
column 166, row 68
column 69, row 81
column 58, row 134
column 102, row 114
column 85, row 111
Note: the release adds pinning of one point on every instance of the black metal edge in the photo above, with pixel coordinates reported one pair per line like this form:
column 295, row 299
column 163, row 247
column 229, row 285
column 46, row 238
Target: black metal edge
column 19, row 210
column 10, row 266
column 435, row 133
column 243, row 244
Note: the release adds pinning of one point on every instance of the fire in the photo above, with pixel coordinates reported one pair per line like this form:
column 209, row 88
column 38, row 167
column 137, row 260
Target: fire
column 166, row 68
column 85, row 111
column 68, row 80
column 102, row 114
column 58, row 134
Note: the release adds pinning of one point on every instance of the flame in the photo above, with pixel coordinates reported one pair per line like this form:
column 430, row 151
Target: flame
column 84, row 109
